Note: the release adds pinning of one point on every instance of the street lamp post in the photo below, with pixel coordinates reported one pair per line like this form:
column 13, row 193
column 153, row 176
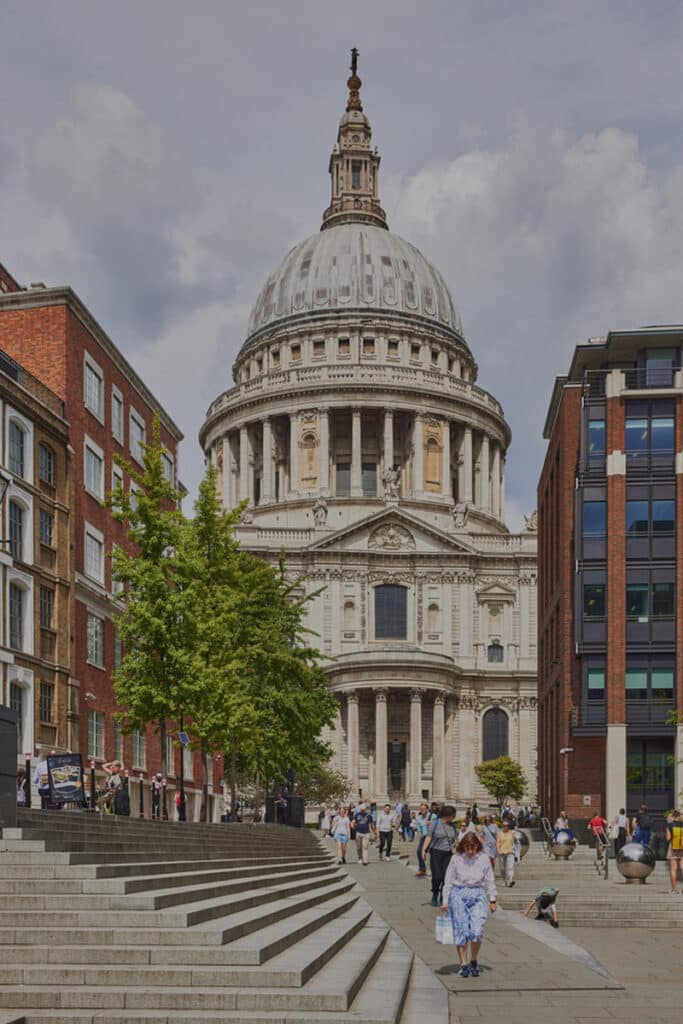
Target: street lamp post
column 142, row 797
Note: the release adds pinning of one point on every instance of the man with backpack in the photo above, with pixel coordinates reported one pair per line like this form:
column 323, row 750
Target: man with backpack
column 674, row 834
column 641, row 826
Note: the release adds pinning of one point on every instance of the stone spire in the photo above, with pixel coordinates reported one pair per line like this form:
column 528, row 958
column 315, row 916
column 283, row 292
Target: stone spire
column 354, row 167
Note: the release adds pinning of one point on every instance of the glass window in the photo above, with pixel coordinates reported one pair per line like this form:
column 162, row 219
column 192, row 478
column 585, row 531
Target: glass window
column 17, row 445
column 96, row 734
column 662, row 680
column 659, row 771
column 296, row 353
column 634, row 771
column 415, row 351
column 637, row 599
column 47, row 605
column 344, row 346
column 662, row 428
column 117, row 416
column 636, row 435
column 16, row 531
column 318, row 349
column 93, row 390
column 663, row 516
column 16, row 702
column 343, row 485
column 594, row 518
column 355, row 173
column 137, row 435
column 94, row 566
column 391, row 612
column 96, row 641
column 494, row 734
column 16, row 616
column 368, row 346
column 116, row 482
column 167, row 465
column 47, row 695
column 369, row 471
column 663, row 600
column 495, row 654
column 659, row 363
column 636, row 517
column 636, row 684
column 392, row 348
column 596, row 685
column 46, row 464
column 594, row 600
column 94, row 468
column 138, row 738
column 47, row 526
column 170, row 755
column 596, row 437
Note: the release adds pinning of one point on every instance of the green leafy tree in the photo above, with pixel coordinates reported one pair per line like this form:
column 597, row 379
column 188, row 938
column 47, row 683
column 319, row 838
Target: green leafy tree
column 150, row 624
column 502, row 777
column 323, row 784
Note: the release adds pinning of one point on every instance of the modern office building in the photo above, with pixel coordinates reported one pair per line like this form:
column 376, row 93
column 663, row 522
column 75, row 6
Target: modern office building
column 610, row 573
column 358, row 437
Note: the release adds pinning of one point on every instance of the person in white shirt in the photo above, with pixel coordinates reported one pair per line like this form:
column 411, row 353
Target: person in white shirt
column 342, row 834
column 469, row 892
column 620, row 827
column 385, row 827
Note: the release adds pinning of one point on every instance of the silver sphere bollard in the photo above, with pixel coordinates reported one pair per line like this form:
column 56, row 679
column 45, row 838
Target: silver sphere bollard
column 563, row 845
column 523, row 840
column 636, row 863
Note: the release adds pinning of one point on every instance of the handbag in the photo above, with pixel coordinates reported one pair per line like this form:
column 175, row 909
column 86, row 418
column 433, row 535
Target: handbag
column 444, row 930
column 613, row 831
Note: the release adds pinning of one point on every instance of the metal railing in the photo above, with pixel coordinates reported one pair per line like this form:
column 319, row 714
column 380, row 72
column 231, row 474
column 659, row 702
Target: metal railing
column 548, row 836
column 602, row 845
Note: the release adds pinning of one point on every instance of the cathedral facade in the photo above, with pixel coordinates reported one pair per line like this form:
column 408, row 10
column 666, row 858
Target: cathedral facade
column 357, row 434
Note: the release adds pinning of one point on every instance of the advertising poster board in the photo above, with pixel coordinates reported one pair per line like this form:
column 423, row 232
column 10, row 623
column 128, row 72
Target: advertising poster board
column 65, row 774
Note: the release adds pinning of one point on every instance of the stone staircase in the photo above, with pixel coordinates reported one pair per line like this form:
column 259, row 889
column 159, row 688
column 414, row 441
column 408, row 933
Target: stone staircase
column 586, row 898
column 117, row 920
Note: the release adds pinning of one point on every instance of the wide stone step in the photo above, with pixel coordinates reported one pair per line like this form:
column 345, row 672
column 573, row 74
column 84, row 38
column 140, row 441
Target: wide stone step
column 189, row 876
column 426, row 1000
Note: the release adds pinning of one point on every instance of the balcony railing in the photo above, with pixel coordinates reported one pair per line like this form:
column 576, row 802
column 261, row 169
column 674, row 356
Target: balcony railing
column 650, row 377
column 653, row 712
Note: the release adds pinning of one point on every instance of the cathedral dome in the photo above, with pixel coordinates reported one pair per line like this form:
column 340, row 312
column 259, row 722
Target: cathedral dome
column 355, row 267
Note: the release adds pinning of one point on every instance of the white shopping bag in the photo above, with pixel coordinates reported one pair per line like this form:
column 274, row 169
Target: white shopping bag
column 444, row 930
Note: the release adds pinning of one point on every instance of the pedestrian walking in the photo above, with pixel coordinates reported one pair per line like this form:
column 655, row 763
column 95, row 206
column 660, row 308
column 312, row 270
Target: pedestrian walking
column 466, row 826
column 545, row 903
column 405, row 831
column 114, row 772
column 562, row 824
column 469, row 893
column 325, row 821
column 674, row 835
column 342, row 834
column 489, row 836
column 596, row 827
column 474, row 814
column 280, row 805
column 362, row 825
column 385, row 827
column 641, row 826
column 156, row 787
column 440, row 840
column 21, row 788
column 422, row 822
column 505, row 846
column 620, row 830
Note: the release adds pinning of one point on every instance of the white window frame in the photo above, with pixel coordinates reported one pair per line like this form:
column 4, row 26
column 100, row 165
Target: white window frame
column 133, row 495
column 27, row 427
column 91, row 364
column 134, row 417
column 20, row 497
column 98, row 719
column 139, row 746
column 95, row 449
column 91, row 615
column 117, row 396
column 93, row 533
column 168, row 462
column 23, row 677
column 116, row 477
column 25, row 582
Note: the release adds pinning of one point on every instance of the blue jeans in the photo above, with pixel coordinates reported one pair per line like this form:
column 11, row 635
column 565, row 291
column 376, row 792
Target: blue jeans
column 642, row 835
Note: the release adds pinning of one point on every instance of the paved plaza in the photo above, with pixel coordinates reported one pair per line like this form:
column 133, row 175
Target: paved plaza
column 531, row 972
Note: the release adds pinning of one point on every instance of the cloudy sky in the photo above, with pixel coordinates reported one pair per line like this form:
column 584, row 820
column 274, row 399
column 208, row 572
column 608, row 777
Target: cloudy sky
column 161, row 157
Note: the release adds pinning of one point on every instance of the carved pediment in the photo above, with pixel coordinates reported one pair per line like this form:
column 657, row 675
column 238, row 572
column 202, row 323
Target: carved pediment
column 393, row 531
column 495, row 591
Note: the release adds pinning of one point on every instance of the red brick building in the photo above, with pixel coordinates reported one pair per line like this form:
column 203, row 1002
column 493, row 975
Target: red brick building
column 109, row 410
column 610, row 573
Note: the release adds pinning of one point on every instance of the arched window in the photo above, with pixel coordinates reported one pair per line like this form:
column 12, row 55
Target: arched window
column 494, row 734
column 17, row 448
column 495, row 653
column 17, row 611
column 349, row 615
column 433, row 618
column 391, row 612
column 16, row 531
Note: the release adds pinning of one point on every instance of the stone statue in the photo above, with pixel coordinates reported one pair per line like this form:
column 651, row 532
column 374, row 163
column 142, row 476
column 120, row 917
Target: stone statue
column 320, row 512
column 391, row 538
column 460, row 514
column 247, row 516
column 391, row 479
column 531, row 522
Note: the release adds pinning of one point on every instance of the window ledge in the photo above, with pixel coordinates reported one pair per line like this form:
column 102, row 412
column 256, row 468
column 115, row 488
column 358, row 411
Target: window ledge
column 95, row 415
column 93, row 664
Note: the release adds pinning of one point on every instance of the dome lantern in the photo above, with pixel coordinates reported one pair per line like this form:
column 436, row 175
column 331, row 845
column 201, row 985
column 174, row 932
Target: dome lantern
column 354, row 166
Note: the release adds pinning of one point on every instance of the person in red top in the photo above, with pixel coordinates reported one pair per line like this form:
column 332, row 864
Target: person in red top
column 597, row 826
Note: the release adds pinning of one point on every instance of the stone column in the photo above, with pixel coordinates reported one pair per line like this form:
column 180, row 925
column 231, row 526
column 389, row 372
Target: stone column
column 484, row 473
column 495, row 480
column 267, row 480
column 293, row 454
column 244, row 464
column 415, row 783
column 418, row 455
column 228, row 499
column 438, row 750
column 381, row 746
column 388, row 438
column 467, row 466
column 353, row 743
column 446, row 460
column 356, row 454
column 324, row 473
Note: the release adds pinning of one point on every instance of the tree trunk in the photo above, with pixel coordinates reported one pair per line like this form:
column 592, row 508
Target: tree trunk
column 233, row 776
column 257, row 796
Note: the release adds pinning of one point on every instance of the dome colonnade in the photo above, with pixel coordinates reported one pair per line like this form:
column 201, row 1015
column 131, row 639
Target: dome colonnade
column 358, row 437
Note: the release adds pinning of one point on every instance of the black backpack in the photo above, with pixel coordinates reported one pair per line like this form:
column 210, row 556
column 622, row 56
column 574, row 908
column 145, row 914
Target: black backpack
column 645, row 821
column 122, row 802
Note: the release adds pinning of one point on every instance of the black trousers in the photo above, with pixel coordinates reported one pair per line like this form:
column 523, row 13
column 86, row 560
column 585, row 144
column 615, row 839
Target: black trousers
column 386, row 839
column 440, row 859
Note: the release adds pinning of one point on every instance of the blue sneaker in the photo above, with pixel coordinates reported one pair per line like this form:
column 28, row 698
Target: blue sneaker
column 474, row 969
column 464, row 971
